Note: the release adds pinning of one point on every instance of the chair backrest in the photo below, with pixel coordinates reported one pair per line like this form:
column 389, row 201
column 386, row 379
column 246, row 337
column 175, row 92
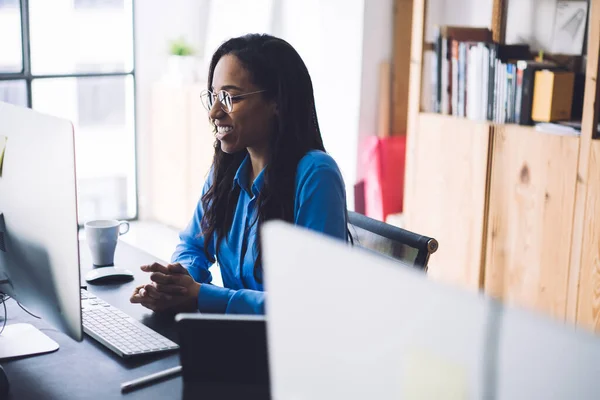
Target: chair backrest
column 394, row 242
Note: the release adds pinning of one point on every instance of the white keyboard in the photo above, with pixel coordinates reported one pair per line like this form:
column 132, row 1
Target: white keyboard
column 118, row 331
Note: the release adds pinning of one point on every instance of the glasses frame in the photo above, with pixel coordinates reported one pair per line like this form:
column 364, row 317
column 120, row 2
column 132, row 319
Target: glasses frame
column 220, row 96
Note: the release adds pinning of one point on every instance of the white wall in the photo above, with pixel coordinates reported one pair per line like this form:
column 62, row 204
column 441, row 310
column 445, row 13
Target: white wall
column 328, row 34
column 157, row 22
column 458, row 12
column 377, row 44
column 528, row 21
column 531, row 21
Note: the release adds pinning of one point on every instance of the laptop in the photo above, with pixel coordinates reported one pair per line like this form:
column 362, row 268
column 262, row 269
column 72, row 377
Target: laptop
column 346, row 324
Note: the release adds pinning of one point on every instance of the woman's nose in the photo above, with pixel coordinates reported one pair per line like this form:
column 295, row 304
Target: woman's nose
column 216, row 111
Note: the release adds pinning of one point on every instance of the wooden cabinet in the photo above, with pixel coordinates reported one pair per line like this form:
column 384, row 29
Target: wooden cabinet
column 530, row 217
column 447, row 194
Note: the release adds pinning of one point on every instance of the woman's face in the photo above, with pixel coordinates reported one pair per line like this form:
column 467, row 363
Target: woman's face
column 249, row 125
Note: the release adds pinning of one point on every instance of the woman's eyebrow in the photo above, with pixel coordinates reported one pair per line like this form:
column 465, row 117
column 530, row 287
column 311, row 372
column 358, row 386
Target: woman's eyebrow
column 229, row 87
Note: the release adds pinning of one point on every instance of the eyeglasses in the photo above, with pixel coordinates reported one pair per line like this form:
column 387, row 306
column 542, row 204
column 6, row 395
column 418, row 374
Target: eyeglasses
column 208, row 99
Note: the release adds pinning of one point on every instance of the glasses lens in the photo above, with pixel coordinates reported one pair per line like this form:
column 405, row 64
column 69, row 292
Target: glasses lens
column 207, row 99
column 225, row 99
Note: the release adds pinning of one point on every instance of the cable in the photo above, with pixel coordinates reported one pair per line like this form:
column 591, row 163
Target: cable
column 5, row 313
column 4, row 298
column 27, row 311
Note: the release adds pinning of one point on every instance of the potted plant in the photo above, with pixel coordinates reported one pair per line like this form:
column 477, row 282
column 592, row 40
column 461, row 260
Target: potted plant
column 182, row 63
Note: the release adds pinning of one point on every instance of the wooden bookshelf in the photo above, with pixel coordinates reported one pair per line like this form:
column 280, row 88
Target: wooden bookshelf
column 583, row 302
column 516, row 211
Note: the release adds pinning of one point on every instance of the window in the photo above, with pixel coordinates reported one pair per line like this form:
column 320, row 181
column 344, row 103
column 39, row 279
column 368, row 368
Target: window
column 58, row 57
column 9, row 3
column 11, row 55
column 98, row 4
column 101, row 101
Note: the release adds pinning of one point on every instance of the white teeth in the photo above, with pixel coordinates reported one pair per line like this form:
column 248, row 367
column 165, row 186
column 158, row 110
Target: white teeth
column 224, row 129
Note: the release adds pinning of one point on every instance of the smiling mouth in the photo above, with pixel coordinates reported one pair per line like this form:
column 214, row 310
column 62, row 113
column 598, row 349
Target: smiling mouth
column 223, row 131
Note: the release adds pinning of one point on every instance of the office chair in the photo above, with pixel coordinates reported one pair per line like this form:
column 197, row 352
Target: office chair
column 394, row 242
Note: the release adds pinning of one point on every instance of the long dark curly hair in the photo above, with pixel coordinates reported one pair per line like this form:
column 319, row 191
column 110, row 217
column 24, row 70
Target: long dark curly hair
column 276, row 67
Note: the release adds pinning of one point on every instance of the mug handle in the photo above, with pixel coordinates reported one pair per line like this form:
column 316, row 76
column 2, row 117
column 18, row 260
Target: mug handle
column 123, row 224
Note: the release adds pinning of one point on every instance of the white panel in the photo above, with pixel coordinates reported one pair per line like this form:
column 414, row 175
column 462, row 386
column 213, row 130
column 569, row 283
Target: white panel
column 371, row 328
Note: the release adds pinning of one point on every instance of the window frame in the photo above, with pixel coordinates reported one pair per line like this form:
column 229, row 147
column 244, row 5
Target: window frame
column 26, row 75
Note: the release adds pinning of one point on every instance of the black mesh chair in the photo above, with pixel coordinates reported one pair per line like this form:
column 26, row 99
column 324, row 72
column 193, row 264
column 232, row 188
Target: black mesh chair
column 394, row 242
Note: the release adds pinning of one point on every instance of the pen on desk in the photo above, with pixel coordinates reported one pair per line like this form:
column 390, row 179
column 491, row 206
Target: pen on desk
column 149, row 379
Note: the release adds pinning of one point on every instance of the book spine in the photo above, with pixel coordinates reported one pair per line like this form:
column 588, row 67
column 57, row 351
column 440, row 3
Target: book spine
column 503, row 94
column 485, row 67
column 513, row 118
column 478, row 80
column 438, row 75
column 462, row 56
column 496, row 88
column 519, row 94
column 509, row 81
column 444, row 79
column 454, row 86
column 470, row 97
column 491, row 82
column 527, row 97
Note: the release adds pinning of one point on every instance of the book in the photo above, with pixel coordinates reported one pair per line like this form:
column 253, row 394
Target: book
column 447, row 79
column 529, row 68
column 454, row 83
column 491, row 81
column 462, row 79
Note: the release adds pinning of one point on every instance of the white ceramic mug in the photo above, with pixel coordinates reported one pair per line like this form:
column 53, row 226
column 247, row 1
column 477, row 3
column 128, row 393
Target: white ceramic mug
column 102, row 236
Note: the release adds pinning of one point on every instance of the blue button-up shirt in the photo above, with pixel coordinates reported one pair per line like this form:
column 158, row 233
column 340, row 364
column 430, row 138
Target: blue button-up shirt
column 320, row 204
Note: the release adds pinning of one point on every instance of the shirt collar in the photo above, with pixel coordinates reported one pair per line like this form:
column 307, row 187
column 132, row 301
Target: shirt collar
column 242, row 174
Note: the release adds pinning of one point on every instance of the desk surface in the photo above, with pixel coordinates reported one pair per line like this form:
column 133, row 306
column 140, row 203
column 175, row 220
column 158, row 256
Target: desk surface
column 88, row 370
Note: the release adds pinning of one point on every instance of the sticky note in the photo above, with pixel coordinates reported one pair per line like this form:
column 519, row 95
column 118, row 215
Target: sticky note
column 3, row 140
column 430, row 376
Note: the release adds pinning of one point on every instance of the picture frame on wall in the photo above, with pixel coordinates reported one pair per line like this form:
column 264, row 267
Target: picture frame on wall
column 569, row 27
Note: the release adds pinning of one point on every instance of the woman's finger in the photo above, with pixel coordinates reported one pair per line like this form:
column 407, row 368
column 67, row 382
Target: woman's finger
column 177, row 269
column 151, row 305
column 153, row 293
column 135, row 296
column 172, row 289
column 159, row 277
column 156, row 267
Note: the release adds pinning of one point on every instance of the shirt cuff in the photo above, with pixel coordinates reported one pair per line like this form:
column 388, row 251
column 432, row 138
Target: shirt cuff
column 213, row 299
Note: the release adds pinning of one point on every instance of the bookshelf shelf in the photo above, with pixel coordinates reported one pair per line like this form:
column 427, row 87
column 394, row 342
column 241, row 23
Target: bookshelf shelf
column 490, row 123
column 516, row 210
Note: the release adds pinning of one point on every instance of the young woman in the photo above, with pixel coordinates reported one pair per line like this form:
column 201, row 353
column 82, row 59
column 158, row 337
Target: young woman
column 269, row 163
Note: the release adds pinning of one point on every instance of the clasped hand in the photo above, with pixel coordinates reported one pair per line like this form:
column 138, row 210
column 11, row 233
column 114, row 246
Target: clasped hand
column 172, row 289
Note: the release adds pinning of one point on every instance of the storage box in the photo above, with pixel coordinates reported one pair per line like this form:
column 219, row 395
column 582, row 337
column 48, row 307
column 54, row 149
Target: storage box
column 552, row 96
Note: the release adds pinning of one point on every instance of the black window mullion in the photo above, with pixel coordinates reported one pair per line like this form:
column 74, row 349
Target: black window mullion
column 26, row 49
column 81, row 75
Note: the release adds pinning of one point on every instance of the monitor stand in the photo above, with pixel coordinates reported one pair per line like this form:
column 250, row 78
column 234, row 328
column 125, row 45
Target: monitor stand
column 18, row 340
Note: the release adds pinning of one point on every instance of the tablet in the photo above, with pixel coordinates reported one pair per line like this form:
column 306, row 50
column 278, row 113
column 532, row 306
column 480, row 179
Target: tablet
column 223, row 349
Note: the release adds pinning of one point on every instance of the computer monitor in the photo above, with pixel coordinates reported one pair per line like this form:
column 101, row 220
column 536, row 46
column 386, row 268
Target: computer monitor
column 39, row 249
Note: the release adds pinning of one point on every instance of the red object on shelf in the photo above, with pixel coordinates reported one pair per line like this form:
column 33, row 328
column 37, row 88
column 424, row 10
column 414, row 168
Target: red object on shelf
column 383, row 160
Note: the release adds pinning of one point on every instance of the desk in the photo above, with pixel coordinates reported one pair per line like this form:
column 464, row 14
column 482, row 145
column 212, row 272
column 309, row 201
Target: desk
column 88, row 370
